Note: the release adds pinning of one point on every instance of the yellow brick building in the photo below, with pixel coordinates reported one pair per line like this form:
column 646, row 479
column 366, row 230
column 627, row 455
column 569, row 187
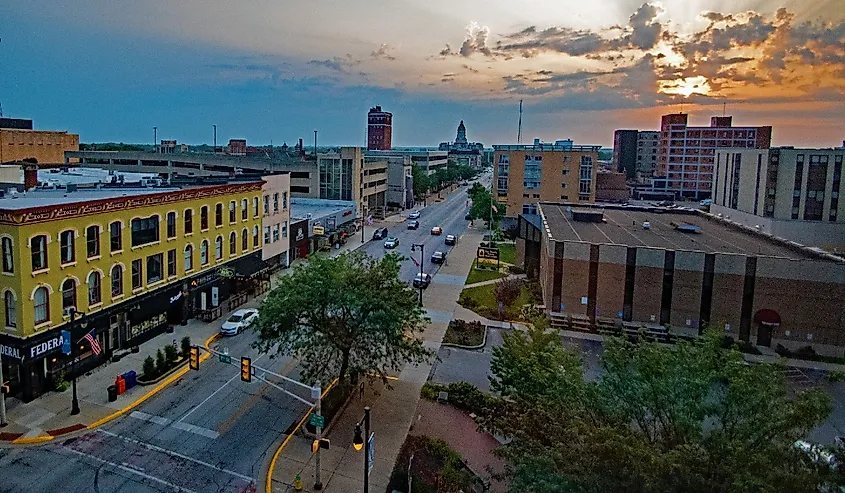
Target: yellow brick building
column 46, row 146
column 134, row 260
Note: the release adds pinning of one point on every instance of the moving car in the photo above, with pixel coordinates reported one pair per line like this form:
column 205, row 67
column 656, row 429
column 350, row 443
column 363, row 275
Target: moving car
column 451, row 240
column 414, row 215
column 239, row 321
column 438, row 257
column 380, row 233
column 437, row 231
column 391, row 243
column 413, row 224
column 422, row 280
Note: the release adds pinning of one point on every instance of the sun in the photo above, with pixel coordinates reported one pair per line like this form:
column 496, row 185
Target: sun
column 686, row 87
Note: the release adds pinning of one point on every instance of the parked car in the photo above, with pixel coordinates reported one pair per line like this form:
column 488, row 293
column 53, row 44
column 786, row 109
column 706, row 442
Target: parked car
column 422, row 280
column 414, row 215
column 438, row 257
column 239, row 321
column 413, row 224
column 467, row 217
column 380, row 233
column 451, row 240
column 391, row 243
column 465, row 183
column 437, row 231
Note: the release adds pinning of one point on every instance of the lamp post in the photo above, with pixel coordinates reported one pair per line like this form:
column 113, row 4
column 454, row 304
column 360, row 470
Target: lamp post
column 422, row 259
column 358, row 442
column 363, row 219
column 214, row 150
column 83, row 322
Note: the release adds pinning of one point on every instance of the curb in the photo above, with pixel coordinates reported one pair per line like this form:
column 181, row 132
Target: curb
column 19, row 439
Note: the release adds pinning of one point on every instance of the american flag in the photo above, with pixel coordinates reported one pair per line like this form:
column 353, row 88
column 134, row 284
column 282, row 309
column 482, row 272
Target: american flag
column 95, row 344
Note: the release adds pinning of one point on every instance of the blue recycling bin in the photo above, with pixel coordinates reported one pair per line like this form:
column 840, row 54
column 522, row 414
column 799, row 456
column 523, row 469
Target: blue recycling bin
column 131, row 379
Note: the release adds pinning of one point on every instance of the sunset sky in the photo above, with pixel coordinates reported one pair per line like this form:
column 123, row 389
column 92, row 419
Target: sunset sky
column 276, row 70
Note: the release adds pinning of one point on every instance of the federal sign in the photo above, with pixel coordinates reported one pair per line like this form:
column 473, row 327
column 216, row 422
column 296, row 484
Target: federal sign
column 49, row 346
column 11, row 352
column 487, row 253
column 317, row 420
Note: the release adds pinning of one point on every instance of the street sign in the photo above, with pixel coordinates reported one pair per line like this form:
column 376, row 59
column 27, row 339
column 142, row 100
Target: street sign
column 225, row 358
column 65, row 342
column 371, row 451
column 317, row 420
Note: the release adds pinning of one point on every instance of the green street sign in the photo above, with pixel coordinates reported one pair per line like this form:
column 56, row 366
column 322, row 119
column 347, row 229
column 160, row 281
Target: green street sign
column 317, row 420
column 225, row 358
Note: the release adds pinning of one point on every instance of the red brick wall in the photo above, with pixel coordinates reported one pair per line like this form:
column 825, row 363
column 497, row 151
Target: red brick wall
column 686, row 297
column 648, row 289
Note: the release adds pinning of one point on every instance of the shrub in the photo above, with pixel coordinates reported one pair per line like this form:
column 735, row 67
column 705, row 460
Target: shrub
column 59, row 382
column 170, row 354
column 467, row 301
column 186, row 346
column 806, row 352
column 462, row 395
column 161, row 362
column 149, row 368
column 464, row 333
column 515, row 269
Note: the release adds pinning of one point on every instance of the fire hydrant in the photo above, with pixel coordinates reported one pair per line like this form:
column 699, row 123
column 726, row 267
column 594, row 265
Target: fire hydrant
column 297, row 483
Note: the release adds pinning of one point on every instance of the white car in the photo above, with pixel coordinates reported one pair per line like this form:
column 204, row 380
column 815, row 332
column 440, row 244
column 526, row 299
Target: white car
column 414, row 215
column 391, row 243
column 239, row 321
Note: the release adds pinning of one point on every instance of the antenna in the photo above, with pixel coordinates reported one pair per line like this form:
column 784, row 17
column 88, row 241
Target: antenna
column 519, row 132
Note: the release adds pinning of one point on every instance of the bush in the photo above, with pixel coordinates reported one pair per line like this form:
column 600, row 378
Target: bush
column 59, row 382
column 186, row 346
column 464, row 333
column 170, row 354
column 462, row 395
column 149, row 368
column 161, row 362
column 467, row 301
column 515, row 269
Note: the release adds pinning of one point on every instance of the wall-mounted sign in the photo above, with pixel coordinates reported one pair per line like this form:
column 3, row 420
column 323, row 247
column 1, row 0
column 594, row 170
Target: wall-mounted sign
column 318, row 230
column 300, row 235
column 226, row 272
column 331, row 223
column 11, row 352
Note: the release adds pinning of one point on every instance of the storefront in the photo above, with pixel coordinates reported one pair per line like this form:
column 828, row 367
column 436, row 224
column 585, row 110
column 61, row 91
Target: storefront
column 299, row 239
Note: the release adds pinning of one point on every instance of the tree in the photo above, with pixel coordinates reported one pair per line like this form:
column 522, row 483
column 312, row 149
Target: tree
column 344, row 316
column 506, row 292
column 482, row 205
column 692, row 417
column 422, row 182
column 475, row 189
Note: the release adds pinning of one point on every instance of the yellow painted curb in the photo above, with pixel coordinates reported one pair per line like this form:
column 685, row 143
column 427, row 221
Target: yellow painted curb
column 172, row 378
column 268, row 483
column 38, row 439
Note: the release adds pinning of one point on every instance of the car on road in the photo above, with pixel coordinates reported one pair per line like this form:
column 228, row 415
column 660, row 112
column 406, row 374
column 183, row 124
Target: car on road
column 422, row 280
column 451, row 240
column 391, row 243
column 438, row 257
column 464, row 184
column 239, row 321
column 414, row 215
column 413, row 224
column 467, row 218
column 437, row 231
column 380, row 233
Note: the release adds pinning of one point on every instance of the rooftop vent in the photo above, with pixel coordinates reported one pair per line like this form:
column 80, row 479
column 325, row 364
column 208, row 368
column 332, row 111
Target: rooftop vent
column 587, row 216
column 686, row 228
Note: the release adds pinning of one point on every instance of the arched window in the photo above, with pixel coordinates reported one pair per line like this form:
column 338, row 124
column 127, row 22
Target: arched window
column 244, row 240
column 41, row 300
column 244, row 209
column 8, row 256
column 9, row 299
column 233, row 243
column 95, row 295
column 218, row 248
column 204, row 252
column 38, row 246
column 255, row 237
column 68, row 294
column 116, row 280
column 189, row 258
column 204, row 217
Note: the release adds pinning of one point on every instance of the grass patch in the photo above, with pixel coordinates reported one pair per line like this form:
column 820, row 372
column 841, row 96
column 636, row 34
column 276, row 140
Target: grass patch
column 481, row 300
column 480, row 275
column 464, row 333
column 507, row 253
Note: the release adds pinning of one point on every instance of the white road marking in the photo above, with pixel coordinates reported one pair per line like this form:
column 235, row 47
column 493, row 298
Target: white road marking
column 132, row 471
column 159, row 420
column 177, row 454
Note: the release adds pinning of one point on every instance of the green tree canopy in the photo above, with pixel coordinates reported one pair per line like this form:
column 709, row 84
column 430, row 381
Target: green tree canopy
column 422, row 182
column 344, row 316
column 482, row 205
column 685, row 418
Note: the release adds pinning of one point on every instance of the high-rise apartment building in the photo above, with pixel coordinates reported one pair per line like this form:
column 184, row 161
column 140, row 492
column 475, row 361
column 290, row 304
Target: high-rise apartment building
column 648, row 144
column 686, row 154
column 525, row 175
column 379, row 130
column 625, row 152
column 635, row 154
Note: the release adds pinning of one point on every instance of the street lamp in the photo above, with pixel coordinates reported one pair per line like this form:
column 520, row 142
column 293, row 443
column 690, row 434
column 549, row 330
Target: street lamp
column 83, row 322
column 358, row 443
column 422, row 260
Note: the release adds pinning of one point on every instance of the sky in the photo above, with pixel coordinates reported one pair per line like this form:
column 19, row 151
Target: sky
column 276, row 70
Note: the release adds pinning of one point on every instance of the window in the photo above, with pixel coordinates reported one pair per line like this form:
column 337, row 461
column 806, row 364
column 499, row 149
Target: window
column 41, row 300
column 266, row 204
column 232, row 214
column 204, row 217
column 115, row 239
column 154, row 266
column 244, row 210
column 244, row 240
column 233, row 243
column 38, row 245
column 171, row 263
column 116, row 281
column 255, row 237
column 255, row 206
column 276, row 202
column 189, row 221
column 68, row 288
column 218, row 248
column 66, row 240
column 218, row 215
column 529, row 208
column 284, row 200
column 94, row 294
column 92, row 241
column 266, row 235
column 285, row 229
column 189, row 258
column 8, row 256
column 9, row 299
column 137, row 281
column 144, row 230
column 171, row 225
column 204, row 252
column 275, row 233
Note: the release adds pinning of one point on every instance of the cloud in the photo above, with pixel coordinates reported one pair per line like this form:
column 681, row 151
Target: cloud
column 337, row 64
column 467, row 67
column 475, row 40
column 383, row 53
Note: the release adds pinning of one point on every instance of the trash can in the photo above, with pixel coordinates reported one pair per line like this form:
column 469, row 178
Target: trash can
column 112, row 393
column 131, row 379
column 121, row 384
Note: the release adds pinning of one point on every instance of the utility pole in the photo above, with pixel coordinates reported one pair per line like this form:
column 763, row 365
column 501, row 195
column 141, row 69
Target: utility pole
column 318, row 485
column 155, row 139
column 422, row 260
column 519, row 132
column 214, row 151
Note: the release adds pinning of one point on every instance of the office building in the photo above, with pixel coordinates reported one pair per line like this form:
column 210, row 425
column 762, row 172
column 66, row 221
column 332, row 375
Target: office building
column 346, row 175
column 783, row 191
column 648, row 145
column 426, row 159
column 686, row 154
column 379, row 129
column 236, row 147
column 525, row 175
column 18, row 142
column 673, row 272
column 611, row 187
column 400, row 183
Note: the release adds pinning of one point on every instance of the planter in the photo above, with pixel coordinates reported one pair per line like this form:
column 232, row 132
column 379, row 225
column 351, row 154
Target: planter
column 135, row 349
column 179, row 364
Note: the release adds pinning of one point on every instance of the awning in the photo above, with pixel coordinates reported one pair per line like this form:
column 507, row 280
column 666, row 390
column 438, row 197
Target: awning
column 767, row 317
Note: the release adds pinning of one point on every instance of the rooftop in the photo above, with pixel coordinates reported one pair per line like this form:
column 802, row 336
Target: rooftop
column 47, row 197
column 558, row 145
column 318, row 208
column 623, row 225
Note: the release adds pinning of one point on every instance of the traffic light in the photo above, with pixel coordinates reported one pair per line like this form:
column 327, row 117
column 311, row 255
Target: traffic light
column 195, row 358
column 246, row 369
column 322, row 443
